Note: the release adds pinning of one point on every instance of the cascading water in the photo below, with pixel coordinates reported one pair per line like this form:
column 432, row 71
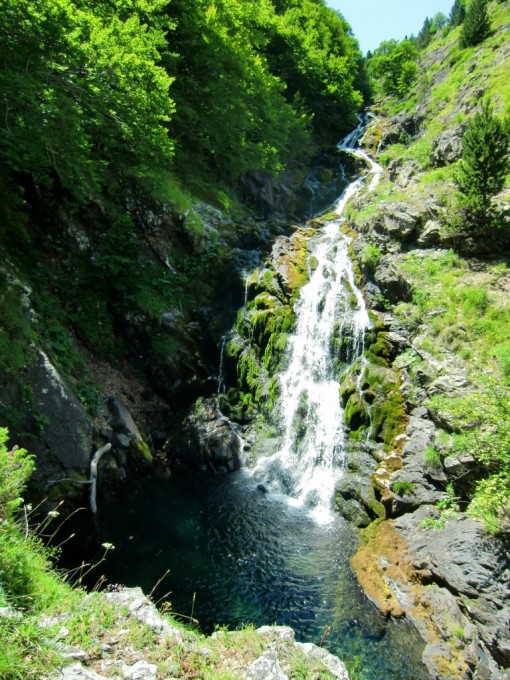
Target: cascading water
column 233, row 553
column 309, row 463
column 330, row 312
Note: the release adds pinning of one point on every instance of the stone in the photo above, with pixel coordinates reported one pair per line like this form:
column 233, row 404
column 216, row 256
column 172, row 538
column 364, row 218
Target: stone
column 399, row 221
column 122, row 421
column 266, row 667
column 430, row 235
column 331, row 662
column 474, row 568
column 391, row 282
column 141, row 670
column 210, row 438
column 65, row 442
column 420, row 434
column 143, row 610
column 446, row 147
column 76, row 672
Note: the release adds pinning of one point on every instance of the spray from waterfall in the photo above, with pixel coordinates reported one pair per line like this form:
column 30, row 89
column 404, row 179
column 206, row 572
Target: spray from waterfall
column 331, row 320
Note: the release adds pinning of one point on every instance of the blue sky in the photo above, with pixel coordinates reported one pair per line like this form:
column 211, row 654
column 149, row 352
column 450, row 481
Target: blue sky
column 373, row 21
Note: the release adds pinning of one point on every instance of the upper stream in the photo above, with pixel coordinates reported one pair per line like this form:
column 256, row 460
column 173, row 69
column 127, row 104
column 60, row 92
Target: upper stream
column 238, row 553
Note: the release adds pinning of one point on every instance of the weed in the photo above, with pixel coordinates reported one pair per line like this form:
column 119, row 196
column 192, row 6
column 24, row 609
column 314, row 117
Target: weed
column 402, row 487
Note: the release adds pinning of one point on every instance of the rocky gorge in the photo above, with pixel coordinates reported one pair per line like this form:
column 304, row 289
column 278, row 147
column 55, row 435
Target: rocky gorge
column 175, row 365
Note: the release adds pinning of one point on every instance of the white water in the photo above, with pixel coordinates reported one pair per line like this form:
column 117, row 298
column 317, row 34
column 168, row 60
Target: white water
column 309, row 463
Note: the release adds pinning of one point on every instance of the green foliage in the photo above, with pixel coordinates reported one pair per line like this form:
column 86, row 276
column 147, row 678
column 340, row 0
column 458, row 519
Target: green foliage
column 402, row 487
column 81, row 89
column 393, row 66
column 446, row 508
column 250, row 81
column 15, row 469
column 370, row 257
column 483, row 170
column 476, row 25
column 458, row 12
column 430, row 28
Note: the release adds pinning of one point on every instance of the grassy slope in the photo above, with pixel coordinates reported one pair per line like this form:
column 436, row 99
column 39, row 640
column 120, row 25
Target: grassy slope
column 460, row 307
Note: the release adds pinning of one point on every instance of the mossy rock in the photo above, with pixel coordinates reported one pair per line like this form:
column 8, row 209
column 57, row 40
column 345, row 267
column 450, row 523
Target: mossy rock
column 355, row 413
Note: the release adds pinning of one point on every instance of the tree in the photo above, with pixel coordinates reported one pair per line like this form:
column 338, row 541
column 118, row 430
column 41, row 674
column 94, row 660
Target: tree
column 457, row 13
column 484, row 166
column 82, row 89
column 476, row 25
column 393, row 67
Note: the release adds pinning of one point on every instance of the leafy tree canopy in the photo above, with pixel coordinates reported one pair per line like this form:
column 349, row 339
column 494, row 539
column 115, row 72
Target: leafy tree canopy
column 81, row 88
column 393, row 67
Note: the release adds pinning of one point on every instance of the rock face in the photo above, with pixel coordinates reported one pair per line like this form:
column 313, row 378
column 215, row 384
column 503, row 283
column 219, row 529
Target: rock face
column 477, row 570
column 207, row 438
column 65, row 443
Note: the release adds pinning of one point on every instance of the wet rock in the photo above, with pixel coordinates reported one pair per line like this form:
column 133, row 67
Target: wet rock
column 288, row 258
column 208, row 438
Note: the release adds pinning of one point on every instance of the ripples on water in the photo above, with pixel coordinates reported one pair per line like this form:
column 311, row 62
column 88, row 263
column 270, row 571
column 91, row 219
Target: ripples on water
column 245, row 556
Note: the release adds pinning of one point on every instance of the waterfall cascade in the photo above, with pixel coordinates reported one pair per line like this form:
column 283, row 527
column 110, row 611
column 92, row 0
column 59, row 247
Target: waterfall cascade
column 330, row 313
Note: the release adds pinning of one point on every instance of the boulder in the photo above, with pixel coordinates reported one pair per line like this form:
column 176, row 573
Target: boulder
column 446, row 147
column 391, row 282
column 474, row 568
column 208, row 439
column 430, row 235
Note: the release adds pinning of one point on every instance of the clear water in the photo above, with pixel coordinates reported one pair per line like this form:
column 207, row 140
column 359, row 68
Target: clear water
column 238, row 555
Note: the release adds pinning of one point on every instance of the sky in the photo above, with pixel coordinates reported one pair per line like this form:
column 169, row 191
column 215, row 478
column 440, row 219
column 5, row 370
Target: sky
column 373, row 21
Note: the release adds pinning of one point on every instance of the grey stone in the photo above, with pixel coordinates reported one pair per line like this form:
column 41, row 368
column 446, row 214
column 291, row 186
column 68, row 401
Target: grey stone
column 393, row 285
column 420, row 435
column 453, row 383
column 331, row 662
column 70, row 652
column 266, row 667
column 77, row 672
column 210, row 438
column 446, row 147
column 141, row 670
column 430, row 234
column 65, row 442
column 122, row 421
column 143, row 610
column 10, row 613
column 399, row 221
column 277, row 632
column 474, row 567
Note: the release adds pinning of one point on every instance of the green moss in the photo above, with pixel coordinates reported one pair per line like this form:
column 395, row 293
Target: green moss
column 356, row 416
column 144, row 451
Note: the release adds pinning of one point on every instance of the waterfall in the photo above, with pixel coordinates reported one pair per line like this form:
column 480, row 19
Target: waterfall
column 330, row 314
